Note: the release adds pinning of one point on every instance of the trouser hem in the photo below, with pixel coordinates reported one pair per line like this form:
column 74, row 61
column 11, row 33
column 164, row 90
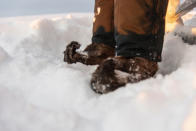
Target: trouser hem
column 101, row 36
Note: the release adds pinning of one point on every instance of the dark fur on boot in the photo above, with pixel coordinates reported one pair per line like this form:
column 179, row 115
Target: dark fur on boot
column 96, row 53
column 118, row 71
column 104, row 79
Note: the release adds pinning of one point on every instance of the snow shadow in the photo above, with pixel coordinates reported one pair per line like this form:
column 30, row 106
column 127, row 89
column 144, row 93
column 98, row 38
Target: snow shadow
column 176, row 53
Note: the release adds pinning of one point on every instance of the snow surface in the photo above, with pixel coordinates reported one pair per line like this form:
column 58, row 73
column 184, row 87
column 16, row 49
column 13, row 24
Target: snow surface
column 39, row 92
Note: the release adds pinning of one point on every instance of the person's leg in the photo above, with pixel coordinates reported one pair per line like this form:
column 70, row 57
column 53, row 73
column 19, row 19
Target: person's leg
column 139, row 26
column 103, row 43
column 139, row 32
column 103, row 22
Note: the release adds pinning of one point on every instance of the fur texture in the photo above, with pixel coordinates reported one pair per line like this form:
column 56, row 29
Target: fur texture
column 96, row 53
column 118, row 71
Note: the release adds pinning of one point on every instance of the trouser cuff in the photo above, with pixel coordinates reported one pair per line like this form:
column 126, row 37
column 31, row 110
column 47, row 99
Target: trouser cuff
column 134, row 45
column 107, row 38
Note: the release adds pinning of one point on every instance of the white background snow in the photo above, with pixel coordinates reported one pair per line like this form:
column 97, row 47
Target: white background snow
column 39, row 92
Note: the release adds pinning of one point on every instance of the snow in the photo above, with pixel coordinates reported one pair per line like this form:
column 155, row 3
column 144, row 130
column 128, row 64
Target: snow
column 38, row 91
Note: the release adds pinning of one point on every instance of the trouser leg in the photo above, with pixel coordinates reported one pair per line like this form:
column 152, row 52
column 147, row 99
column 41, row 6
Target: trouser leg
column 139, row 27
column 103, row 24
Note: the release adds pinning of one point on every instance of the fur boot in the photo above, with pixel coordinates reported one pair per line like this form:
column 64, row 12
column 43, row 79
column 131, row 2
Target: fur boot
column 118, row 71
column 94, row 53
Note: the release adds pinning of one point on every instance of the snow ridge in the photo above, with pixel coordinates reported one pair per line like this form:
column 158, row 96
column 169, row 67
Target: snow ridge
column 38, row 91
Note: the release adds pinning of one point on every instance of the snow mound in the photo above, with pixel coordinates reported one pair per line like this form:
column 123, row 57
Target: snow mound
column 38, row 91
column 3, row 55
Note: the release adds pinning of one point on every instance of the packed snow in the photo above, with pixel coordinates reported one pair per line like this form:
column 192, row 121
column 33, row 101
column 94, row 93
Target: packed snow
column 39, row 92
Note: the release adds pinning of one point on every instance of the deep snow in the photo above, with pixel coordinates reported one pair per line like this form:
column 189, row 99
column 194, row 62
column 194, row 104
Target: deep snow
column 39, row 92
